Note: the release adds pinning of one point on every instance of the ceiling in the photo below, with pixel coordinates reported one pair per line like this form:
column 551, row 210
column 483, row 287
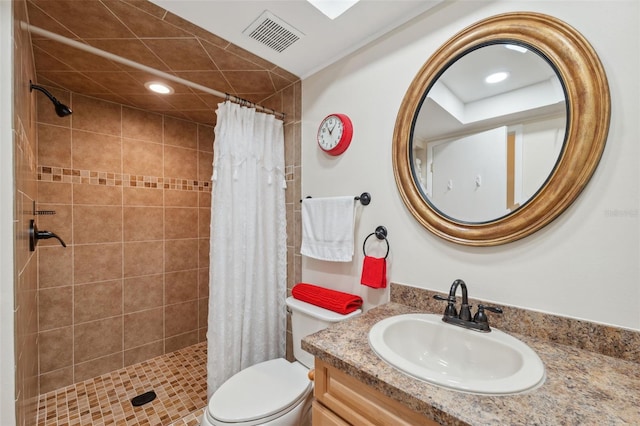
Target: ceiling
column 149, row 35
column 462, row 102
column 322, row 40
column 199, row 41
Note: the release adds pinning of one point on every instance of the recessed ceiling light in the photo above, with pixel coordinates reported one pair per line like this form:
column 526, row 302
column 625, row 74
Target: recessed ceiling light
column 496, row 77
column 332, row 8
column 158, row 87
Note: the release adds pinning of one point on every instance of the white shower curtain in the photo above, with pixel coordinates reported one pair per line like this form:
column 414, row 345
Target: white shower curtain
column 247, row 314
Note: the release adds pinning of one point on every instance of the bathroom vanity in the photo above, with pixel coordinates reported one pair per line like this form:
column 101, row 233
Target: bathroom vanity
column 341, row 399
column 592, row 374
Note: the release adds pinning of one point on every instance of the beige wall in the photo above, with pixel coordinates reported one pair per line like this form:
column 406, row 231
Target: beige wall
column 25, row 261
column 132, row 195
column 574, row 265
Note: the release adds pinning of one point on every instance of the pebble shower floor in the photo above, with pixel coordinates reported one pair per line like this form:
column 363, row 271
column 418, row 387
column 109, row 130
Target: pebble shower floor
column 179, row 379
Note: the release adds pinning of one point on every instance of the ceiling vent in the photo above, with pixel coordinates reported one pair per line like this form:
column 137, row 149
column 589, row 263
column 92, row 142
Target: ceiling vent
column 273, row 32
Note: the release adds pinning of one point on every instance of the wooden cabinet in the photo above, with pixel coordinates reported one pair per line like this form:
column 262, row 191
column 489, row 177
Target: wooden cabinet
column 342, row 400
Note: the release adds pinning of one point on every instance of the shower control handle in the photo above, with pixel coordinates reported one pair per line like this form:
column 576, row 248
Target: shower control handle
column 35, row 235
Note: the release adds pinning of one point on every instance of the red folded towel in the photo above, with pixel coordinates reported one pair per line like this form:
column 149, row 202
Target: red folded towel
column 374, row 272
column 336, row 301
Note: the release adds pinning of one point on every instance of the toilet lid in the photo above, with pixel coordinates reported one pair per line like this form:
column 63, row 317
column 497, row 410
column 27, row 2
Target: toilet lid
column 260, row 391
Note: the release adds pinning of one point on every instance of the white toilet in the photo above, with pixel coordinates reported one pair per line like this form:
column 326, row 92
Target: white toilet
column 275, row 392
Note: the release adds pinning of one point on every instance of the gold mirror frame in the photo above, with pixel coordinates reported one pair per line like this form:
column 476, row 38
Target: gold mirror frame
column 589, row 110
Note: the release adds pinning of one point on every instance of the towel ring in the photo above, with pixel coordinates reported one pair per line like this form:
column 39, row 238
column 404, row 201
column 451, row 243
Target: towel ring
column 381, row 234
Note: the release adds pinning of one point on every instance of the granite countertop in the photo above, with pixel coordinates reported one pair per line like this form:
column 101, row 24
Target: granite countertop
column 581, row 387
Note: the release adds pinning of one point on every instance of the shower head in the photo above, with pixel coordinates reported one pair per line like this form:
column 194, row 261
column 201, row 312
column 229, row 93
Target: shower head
column 61, row 109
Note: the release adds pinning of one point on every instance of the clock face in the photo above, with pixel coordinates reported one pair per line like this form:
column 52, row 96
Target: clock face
column 334, row 134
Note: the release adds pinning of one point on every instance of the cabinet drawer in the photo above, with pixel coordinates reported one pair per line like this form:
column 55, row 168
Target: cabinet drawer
column 358, row 403
column 322, row 416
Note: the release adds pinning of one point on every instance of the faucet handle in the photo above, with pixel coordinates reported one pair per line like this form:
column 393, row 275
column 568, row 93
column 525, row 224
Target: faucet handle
column 450, row 310
column 493, row 309
column 481, row 316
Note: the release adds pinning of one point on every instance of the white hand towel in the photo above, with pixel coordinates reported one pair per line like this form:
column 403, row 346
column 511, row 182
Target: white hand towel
column 328, row 228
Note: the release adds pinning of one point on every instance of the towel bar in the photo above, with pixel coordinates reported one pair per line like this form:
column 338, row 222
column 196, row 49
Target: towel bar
column 364, row 198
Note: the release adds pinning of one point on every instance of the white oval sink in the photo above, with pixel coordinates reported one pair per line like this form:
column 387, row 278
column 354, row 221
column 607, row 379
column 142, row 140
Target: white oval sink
column 425, row 347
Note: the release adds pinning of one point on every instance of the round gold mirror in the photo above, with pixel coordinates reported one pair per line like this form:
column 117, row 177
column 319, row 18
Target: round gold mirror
column 483, row 165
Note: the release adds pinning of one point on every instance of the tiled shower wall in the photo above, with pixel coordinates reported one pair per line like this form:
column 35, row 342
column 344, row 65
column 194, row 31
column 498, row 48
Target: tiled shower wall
column 25, row 190
column 132, row 194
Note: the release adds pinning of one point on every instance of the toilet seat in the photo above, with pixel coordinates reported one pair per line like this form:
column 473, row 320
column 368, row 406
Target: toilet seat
column 260, row 393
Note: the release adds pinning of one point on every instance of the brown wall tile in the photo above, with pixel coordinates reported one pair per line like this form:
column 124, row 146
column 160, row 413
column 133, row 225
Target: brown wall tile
column 181, row 286
column 203, row 282
column 204, row 222
column 97, row 224
column 142, row 125
column 25, row 282
column 143, row 258
column 96, row 339
column 181, row 341
column 142, row 158
column 143, row 223
column 97, row 262
column 180, row 222
column 204, row 200
column 143, row 353
column 47, row 114
column 54, row 192
column 56, row 349
column 143, row 197
column 144, row 327
column 142, row 293
column 55, row 266
column 101, row 195
column 95, row 151
column 205, row 138
column 56, row 379
column 180, row 133
column 97, row 367
column 97, row 300
column 203, row 252
column 60, row 223
column 205, row 166
column 55, row 307
column 180, row 198
column 180, row 318
column 180, row 163
column 180, row 255
column 203, row 312
column 54, row 147
column 97, row 116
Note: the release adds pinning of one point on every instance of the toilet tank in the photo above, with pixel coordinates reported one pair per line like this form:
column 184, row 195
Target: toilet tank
column 307, row 319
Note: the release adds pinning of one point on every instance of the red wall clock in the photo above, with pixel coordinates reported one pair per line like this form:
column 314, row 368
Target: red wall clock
column 335, row 133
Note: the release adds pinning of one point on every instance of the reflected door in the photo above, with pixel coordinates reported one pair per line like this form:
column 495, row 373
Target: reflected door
column 470, row 176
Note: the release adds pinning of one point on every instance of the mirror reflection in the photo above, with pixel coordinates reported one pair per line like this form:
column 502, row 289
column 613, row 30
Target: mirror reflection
column 489, row 132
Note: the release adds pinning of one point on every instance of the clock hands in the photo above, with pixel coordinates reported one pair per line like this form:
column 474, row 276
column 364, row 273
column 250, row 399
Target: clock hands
column 334, row 134
column 332, row 127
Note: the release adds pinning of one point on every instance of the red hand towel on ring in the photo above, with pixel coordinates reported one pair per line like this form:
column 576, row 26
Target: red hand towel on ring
column 374, row 272
column 333, row 300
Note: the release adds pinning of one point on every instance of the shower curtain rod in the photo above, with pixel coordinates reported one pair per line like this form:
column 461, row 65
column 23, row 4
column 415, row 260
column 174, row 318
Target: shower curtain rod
column 133, row 64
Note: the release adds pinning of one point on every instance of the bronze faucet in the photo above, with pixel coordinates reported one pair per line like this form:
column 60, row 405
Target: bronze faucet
column 480, row 321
